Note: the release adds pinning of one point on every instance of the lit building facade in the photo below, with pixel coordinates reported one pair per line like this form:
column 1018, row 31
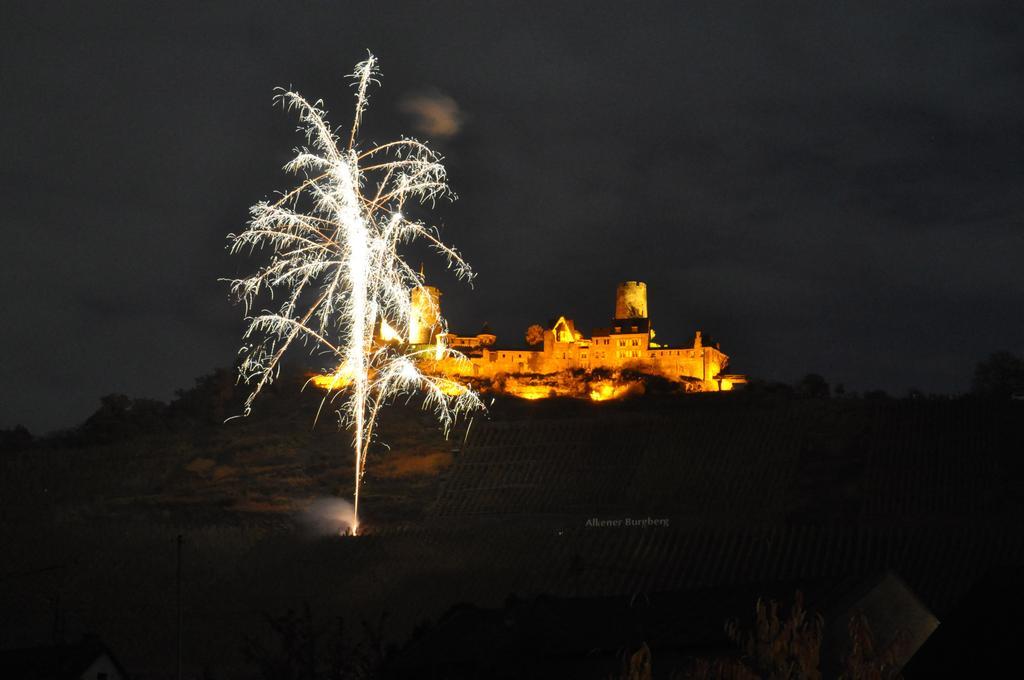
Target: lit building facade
column 626, row 345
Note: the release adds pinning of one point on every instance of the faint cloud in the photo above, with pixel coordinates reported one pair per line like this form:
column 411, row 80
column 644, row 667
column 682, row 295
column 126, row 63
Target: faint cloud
column 434, row 114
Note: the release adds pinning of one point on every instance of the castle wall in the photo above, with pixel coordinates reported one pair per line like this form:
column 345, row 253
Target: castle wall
column 704, row 363
column 489, row 363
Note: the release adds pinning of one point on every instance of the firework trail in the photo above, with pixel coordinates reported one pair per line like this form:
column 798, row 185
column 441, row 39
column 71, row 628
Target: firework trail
column 334, row 263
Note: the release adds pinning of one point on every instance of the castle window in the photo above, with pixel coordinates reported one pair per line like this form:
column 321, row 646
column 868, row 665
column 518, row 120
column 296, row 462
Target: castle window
column 633, row 328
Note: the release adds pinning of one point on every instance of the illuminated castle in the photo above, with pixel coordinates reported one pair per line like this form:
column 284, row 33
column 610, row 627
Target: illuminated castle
column 626, row 345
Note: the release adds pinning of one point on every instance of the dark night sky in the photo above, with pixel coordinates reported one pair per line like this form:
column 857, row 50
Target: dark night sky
column 821, row 187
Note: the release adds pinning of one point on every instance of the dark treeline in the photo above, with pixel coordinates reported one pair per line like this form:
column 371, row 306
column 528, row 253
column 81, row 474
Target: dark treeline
column 217, row 396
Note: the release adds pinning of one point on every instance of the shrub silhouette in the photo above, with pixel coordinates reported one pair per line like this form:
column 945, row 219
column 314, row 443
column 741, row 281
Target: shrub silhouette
column 783, row 648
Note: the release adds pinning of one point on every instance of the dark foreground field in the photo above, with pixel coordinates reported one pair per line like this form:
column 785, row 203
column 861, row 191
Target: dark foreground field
column 740, row 491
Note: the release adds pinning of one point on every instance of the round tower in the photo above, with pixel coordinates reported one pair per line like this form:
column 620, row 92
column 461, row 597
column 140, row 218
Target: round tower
column 631, row 300
column 426, row 312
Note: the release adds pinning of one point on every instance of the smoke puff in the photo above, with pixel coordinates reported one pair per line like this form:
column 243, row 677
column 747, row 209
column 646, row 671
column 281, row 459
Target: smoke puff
column 434, row 114
column 328, row 517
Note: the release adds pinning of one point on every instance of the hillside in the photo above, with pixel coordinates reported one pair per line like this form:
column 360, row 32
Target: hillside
column 744, row 489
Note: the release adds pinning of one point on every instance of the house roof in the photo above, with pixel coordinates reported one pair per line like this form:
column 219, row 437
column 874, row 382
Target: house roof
column 55, row 662
column 552, row 323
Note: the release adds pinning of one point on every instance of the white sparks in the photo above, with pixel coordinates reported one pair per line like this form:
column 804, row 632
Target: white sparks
column 333, row 242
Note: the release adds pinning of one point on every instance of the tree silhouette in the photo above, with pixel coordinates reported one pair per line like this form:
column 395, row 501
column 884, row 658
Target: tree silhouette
column 999, row 376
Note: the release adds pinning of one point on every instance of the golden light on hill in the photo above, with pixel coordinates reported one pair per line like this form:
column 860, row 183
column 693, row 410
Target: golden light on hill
column 387, row 333
column 570, row 385
column 338, row 380
column 530, row 392
column 453, row 389
column 605, row 390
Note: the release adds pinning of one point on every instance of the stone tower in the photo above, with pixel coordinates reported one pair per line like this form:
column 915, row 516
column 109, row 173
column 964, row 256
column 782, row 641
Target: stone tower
column 426, row 311
column 631, row 300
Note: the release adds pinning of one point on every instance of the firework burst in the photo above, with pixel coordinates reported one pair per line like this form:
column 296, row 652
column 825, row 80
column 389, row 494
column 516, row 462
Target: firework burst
column 334, row 244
